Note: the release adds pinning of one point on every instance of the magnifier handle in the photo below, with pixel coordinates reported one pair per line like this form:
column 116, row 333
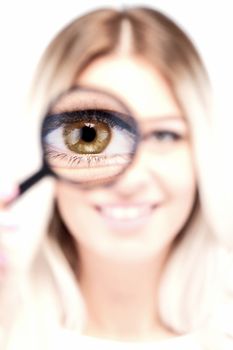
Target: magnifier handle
column 32, row 180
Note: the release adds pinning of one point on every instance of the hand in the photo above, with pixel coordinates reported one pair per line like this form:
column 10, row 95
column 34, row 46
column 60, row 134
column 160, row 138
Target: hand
column 9, row 296
column 7, row 195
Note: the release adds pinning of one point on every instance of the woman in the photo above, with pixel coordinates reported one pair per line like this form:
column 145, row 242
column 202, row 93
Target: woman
column 139, row 261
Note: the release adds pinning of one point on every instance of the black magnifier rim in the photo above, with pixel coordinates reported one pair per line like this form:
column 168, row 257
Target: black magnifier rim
column 47, row 168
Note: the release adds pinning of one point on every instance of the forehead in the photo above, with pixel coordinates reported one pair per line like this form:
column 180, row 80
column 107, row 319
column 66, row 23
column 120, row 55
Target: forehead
column 137, row 83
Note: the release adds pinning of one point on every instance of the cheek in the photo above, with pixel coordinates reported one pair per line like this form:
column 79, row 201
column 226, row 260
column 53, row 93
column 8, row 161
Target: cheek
column 178, row 179
column 75, row 212
column 70, row 202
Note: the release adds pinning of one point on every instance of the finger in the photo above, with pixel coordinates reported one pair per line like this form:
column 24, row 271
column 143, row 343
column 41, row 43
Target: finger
column 7, row 194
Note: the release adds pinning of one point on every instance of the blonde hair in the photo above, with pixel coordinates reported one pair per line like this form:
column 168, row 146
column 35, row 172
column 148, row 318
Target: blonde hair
column 197, row 259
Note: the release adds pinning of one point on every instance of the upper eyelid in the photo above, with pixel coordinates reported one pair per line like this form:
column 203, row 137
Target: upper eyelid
column 53, row 121
column 165, row 118
column 182, row 131
column 172, row 130
column 165, row 123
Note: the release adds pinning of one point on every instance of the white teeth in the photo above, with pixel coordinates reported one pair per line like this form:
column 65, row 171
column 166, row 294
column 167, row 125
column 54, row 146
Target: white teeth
column 128, row 213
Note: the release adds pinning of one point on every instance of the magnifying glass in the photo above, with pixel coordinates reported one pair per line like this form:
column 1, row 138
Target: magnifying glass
column 88, row 137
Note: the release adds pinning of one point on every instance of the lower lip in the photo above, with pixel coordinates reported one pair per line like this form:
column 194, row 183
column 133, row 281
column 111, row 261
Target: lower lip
column 126, row 225
column 7, row 228
column 7, row 222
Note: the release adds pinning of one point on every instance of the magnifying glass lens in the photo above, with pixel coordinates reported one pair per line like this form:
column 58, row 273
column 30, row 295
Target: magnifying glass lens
column 89, row 137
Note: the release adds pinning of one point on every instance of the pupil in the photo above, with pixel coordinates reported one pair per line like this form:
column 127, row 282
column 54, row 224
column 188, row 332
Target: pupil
column 88, row 134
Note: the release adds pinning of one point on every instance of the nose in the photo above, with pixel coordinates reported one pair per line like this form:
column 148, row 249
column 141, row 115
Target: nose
column 138, row 177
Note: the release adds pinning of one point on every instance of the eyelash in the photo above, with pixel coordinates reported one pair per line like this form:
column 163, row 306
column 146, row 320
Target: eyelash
column 73, row 160
column 76, row 160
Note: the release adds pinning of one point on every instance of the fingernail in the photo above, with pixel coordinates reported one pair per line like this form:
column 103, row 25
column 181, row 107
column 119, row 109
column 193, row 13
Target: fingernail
column 8, row 192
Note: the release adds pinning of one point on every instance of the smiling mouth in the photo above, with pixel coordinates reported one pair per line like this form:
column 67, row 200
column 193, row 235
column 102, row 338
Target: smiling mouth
column 126, row 217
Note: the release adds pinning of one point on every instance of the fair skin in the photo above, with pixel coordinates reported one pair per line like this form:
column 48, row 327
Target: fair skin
column 121, row 258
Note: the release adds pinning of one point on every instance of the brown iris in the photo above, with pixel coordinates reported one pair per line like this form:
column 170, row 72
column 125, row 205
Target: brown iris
column 87, row 137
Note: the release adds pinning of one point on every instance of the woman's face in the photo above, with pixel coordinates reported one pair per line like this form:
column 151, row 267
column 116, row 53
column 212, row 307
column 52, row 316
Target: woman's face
column 141, row 214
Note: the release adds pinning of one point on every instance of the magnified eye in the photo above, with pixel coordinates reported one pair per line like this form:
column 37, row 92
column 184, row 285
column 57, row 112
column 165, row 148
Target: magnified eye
column 87, row 137
column 88, row 145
